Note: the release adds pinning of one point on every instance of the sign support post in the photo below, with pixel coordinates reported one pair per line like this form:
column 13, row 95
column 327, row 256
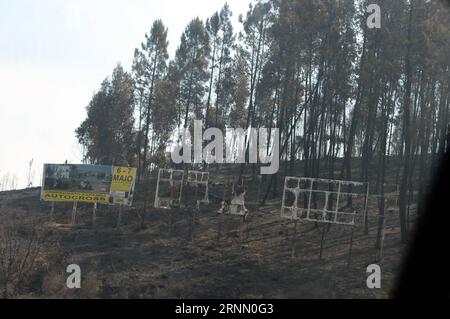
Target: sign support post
column 294, row 241
column 52, row 212
column 351, row 245
column 321, row 241
column 242, row 228
column 94, row 214
column 119, row 216
column 74, row 213
column 366, row 217
column 383, row 232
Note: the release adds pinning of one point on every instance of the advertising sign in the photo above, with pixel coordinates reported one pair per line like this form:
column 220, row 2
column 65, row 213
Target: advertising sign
column 101, row 184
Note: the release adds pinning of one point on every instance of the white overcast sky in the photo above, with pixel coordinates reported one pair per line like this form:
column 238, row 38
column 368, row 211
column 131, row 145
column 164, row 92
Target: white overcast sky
column 53, row 56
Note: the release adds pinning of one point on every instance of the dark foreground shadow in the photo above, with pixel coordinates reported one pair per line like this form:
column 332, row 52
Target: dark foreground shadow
column 425, row 269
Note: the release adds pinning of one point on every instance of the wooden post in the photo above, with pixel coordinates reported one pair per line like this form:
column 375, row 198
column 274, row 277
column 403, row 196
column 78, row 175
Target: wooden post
column 192, row 225
column 321, row 241
column 223, row 203
column 351, row 246
column 383, row 231
column 119, row 216
column 294, row 241
column 170, row 221
column 259, row 189
column 94, row 214
column 52, row 212
column 366, row 217
column 172, row 193
column 156, row 204
column 74, row 213
column 241, row 227
column 189, row 224
column 195, row 210
column 219, row 227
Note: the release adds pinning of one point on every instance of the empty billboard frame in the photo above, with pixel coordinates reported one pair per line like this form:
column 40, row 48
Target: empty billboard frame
column 170, row 182
column 200, row 180
column 324, row 200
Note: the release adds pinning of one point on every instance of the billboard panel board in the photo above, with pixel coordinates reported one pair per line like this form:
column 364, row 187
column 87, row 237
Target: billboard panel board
column 102, row 184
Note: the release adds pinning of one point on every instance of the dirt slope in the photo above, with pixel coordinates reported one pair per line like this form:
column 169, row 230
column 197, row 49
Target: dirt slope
column 161, row 261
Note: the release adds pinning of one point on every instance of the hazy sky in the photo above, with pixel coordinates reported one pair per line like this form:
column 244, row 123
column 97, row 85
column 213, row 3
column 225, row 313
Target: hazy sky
column 53, row 56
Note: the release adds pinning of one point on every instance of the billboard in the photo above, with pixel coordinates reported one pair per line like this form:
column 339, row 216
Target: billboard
column 102, row 184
